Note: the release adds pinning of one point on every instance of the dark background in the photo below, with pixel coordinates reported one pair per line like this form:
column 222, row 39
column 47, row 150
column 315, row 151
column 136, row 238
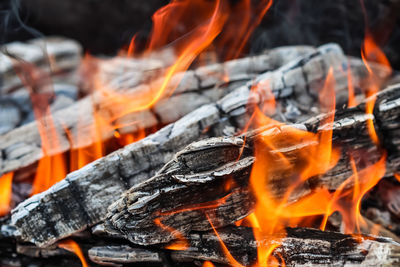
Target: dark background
column 104, row 26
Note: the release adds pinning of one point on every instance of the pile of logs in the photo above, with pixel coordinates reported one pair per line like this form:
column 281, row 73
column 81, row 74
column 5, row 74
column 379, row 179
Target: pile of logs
column 130, row 205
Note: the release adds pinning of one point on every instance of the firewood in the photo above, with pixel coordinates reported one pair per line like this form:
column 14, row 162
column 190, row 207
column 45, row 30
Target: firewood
column 82, row 198
column 122, row 254
column 301, row 246
column 22, row 146
column 10, row 116
column 297, row 246
column 64, row 54
column 194, row 186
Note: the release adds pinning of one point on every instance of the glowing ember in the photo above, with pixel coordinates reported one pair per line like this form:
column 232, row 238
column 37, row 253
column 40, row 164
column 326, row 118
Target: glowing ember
column 5, row 192
column 73, row 247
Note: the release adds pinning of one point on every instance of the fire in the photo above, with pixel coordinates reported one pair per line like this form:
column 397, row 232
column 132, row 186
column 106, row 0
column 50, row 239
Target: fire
column 73, row 247
column 371, row 52
column 189, row 28
column 272, row 214
column 181, row 244
column 5, row 193
column 228, row 255
column 348, row 201
column 397, row 176
column 208, row 264
column 186, row 27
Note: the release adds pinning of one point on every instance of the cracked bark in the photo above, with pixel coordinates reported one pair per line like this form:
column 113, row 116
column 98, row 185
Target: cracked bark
column 22, row 147
column 195, row 186
column 298, row 246
column 61, row 211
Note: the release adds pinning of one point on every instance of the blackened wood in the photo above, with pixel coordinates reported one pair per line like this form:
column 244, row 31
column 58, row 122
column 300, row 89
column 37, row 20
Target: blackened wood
column 82, row 198
column 301, row 246
column 296, row 246
column 176, row 199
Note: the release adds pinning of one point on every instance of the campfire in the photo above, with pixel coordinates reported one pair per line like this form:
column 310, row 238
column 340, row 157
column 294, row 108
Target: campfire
column 188, row 150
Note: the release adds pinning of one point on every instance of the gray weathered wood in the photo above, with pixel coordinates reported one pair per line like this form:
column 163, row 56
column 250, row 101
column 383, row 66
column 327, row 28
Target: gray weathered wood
column 82, row 198
column 106, row 255
column 296, row 247
column 190, row 186
column 192, row 89
column 64, row 56
column 301, row 247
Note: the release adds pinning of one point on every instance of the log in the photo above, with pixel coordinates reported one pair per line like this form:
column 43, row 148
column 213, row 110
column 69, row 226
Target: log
column 64, row 55
column 188, row 187
column 123, row 254
column 22, row 147
column 296, row 247
column 82, row 198
column 301, row 246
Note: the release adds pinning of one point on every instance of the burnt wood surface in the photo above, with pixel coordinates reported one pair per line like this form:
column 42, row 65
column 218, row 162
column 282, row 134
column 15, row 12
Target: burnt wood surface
column 195, row 186
column 297, row 246
column 22, row 147
column 82, row 198
column 302, row 246
column 56, row 56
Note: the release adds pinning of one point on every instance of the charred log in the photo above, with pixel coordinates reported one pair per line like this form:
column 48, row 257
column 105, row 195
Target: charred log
column 301, row 246
column 22, row 147
column 82, row 198
column 298, row 246
column 194, row 186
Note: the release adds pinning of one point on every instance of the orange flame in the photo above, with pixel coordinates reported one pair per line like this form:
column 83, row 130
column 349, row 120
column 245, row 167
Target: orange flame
column 313, row 155
column 51, row 169
column 181, row 244
column 232, row 261
column 207, row 264
column 5, row 192
column 397, row 176
column 272, row 214
column 73, row 247
column 348, row 201
column 370, row 51
column 186, row 27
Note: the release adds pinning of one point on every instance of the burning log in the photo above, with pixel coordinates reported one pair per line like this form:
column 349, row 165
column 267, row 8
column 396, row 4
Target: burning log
column 194, row 186
column 23, row 146
column 299, row 246
column 82, row 198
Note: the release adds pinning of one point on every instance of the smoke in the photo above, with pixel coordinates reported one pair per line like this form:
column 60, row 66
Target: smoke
column 13, row 22
column 13, row 27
